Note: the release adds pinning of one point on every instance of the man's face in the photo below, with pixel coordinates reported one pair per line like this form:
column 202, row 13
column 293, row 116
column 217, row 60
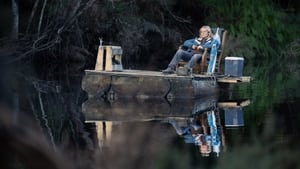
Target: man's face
column 203, row 33
column 205, row 149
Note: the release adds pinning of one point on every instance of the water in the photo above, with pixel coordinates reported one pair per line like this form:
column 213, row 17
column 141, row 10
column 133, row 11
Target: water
column 230, row 130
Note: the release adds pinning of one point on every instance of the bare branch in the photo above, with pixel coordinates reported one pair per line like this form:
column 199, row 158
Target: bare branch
column 73, row 18
column 41, row 17
column 177, row 18
column 31, row 16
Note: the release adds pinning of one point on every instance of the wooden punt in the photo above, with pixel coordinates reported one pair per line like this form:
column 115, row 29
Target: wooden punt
column 146, row 84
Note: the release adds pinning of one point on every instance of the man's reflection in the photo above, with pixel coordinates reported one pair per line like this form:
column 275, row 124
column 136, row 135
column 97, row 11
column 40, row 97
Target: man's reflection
column 200, row 130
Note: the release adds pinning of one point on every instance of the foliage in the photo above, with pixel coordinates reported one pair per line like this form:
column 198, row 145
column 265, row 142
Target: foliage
column 273, row 84
column 266, row 36
column 144, row 29
column 263, row 29
column 268, row 155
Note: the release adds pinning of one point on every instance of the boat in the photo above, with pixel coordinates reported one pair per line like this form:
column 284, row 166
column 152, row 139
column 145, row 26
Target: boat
column 110, row 81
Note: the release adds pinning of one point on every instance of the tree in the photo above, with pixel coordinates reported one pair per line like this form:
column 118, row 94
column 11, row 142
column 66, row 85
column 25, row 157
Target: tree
column 15, row 12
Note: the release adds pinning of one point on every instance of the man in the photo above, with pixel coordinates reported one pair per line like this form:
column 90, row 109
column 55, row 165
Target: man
column 191, row 51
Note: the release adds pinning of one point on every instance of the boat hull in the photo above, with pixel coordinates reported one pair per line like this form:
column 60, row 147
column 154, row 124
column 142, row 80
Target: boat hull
column 146, row 84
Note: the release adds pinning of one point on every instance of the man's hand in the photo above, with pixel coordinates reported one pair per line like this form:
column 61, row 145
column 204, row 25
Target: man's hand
column 194, row 47
column 199, row 47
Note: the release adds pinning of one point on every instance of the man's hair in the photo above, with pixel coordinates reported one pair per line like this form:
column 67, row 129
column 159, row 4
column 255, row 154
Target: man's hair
column 208, row 30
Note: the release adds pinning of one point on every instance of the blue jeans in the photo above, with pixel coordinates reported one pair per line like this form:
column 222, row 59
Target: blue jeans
column 189, row 57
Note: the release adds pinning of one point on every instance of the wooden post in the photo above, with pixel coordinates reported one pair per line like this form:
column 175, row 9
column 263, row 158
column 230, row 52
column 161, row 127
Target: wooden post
column 105, row 57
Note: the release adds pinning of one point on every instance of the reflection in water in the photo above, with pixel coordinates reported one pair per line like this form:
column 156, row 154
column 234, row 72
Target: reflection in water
column 201, row 130
column 104, row 132
column 199, row 122
column 234, row 117
column 145, row 127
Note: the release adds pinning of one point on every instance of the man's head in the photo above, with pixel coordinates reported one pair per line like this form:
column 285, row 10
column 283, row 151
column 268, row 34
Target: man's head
column 205, row 32
column 205, row 150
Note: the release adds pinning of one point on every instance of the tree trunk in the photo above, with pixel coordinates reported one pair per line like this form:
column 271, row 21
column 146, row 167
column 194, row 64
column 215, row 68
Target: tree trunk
column 15, row 12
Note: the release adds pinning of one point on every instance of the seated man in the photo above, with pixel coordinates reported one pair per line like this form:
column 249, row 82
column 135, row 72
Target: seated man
column 192, row 50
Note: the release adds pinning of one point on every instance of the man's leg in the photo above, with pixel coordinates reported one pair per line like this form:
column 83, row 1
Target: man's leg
column 179, row 55
column 193, row 60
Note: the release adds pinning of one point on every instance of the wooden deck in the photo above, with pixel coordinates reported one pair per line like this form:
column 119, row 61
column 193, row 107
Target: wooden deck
column 147, row 73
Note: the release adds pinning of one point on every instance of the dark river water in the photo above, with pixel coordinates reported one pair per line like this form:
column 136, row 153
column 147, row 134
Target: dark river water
column 48, row 121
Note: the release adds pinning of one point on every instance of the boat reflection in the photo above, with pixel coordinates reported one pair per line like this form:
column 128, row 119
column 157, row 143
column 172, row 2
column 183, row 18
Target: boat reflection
column 199, row 122
column 201, row 130
column 144, row 110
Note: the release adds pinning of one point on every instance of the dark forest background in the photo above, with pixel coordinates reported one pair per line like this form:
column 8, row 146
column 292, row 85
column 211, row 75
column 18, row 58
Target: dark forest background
column 149, row 32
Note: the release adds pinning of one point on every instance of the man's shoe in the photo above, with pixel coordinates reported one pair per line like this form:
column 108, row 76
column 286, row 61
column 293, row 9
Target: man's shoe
column 169, row 70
